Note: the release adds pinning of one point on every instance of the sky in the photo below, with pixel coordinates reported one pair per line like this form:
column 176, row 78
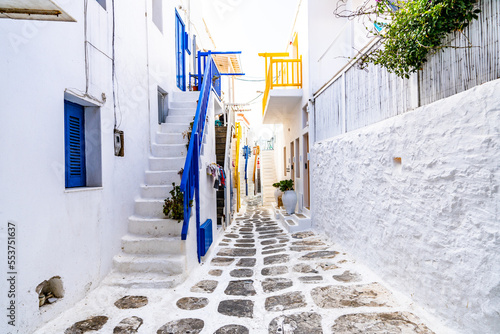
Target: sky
column 250, row 26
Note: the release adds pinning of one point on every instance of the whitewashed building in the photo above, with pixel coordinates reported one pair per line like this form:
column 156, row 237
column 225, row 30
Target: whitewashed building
column 405, row 173
column 91, row 137
column 285, row 104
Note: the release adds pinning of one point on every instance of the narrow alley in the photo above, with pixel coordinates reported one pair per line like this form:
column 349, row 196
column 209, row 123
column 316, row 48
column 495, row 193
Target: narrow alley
column 230, row 166
column 259, row 279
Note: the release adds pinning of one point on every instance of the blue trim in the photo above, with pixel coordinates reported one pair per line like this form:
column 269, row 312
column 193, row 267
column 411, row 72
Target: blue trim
column 187, row 43
column 202, row 65
column 180, row 47
column 190, row 183
column 206, row 237
column 74, row 145
column 246, row 153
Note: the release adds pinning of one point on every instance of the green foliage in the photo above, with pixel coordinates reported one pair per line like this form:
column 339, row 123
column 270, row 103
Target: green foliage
column 276, row 185
column 414, row 29
column 286, row 185
column 188, row 133
column 174, row 206
column 417, row 29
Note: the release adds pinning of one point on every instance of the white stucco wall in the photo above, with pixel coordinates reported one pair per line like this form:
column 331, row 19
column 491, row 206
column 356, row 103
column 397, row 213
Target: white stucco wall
column 429, row 226
column 75, row 233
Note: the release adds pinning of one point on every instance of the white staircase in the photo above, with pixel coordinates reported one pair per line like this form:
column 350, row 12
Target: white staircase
column 153, row 254
column 268, row 174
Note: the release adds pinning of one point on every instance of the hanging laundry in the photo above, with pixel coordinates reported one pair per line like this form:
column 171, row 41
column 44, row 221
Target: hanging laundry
column 218, row 174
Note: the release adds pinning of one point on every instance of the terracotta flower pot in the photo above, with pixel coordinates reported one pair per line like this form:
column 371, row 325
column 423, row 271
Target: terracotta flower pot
column 277, row 194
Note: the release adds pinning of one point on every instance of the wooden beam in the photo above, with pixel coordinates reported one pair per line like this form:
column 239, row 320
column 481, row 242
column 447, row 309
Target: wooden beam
column 30, row 11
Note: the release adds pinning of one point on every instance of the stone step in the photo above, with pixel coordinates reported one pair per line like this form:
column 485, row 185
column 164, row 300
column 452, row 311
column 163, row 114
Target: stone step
column 220, row 136
column 170, row 138
column 164, row 164
column 220, row 132
column 157, row 191
column 220, row 146
column 181, row 112
column 154, row 227
column 179, row 119
column 157, row 178
column 183, row 104
column 143, row 280
column 185, row 96
column 164, row 264
column 174, row 127
column 137, row 244
column 149, row 208
column 168, row 150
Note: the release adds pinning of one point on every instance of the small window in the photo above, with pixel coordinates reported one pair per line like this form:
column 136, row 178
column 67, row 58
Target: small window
column 102, row 3
column 82, row 145
column 158, row 14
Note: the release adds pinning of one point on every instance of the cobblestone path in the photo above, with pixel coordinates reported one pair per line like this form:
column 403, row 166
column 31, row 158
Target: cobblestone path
column 259, row 279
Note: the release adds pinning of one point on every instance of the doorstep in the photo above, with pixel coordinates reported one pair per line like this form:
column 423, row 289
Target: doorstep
column 299, row 221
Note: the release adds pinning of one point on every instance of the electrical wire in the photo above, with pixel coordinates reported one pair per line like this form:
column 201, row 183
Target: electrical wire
column 85, row 6
column 251, row 80
column 113, row 71
column 251, row 101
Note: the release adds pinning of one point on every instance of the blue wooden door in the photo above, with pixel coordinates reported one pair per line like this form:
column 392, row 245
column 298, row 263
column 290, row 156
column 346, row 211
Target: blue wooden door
column 180, row 29
column 74, row 144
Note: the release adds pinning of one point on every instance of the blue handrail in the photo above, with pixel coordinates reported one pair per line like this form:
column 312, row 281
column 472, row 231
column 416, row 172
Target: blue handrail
column 216, row 75
column 190, row 184
column 205, row 61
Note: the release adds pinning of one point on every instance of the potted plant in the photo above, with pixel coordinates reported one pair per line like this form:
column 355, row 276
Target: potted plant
column 277, row 193
column 289, row 196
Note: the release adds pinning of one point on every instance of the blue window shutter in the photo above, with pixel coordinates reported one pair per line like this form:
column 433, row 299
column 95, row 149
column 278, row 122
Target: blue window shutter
column 74, row 145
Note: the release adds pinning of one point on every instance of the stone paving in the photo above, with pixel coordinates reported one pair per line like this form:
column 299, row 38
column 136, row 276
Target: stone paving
column 259, row 279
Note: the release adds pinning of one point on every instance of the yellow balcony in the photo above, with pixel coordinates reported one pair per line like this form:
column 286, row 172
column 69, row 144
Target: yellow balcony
column 283, row 86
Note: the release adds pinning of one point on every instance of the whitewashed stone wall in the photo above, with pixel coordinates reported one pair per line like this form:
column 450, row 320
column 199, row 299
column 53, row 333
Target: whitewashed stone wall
column 429, row 226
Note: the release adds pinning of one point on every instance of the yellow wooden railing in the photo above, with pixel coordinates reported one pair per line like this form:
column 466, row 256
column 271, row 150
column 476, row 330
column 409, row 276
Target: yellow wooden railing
column 281, row 73
column 237, row 167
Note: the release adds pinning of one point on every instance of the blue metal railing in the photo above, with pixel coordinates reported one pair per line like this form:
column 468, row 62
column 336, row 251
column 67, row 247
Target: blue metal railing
column 202, row 65
column 190, row 184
